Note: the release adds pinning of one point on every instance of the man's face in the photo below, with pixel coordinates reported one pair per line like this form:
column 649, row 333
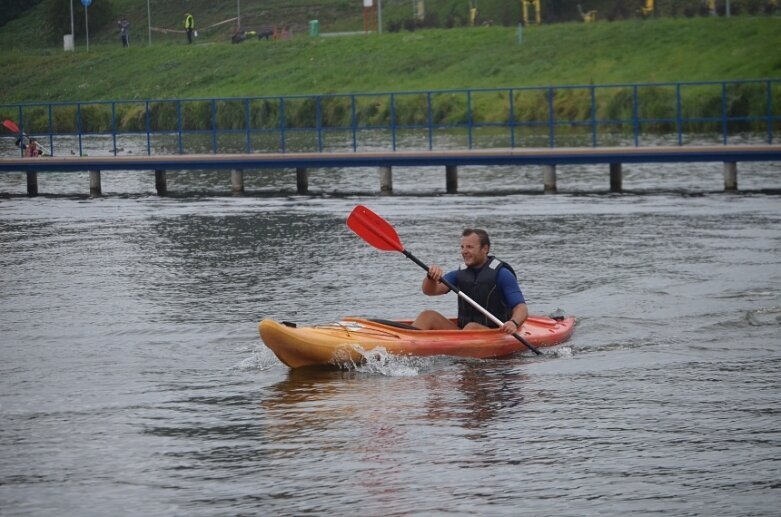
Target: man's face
column 473, row 254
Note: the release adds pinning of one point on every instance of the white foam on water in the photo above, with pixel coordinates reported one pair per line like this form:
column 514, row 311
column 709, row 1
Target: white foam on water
column 379, row 360
column 765, row 316
column 562, row 352
column 261, row 359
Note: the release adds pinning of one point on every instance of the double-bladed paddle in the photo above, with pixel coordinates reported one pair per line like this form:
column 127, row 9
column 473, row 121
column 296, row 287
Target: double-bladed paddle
column 379, row 233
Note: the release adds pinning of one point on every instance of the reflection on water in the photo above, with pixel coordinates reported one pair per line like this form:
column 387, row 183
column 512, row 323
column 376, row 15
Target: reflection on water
column 132, row 375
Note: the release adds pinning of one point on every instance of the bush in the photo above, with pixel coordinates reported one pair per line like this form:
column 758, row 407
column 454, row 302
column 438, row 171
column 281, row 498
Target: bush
column 12, row 9
column 336, row 111
column 231, row 115
column 95, row 118
column 163, row 115
column 264, row 113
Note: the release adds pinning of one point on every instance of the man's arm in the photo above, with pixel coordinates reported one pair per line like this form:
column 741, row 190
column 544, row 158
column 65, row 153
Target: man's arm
column 520, row 313
column 513, row 297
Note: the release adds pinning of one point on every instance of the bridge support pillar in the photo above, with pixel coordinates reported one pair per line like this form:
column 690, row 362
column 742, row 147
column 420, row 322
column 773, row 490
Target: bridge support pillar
column 549, row 179
column 237, row 182
column 32, row 183
column 160, row 183
column 95, row 189
column 302, row 181
column 386, row 180
column 451, row 179
column 616, row 177
column 730, row 176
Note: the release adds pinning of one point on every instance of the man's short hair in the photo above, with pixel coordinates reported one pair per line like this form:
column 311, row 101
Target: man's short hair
column 482, row 235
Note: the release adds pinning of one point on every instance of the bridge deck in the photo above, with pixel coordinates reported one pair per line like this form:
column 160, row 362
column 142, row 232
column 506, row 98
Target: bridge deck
column 518, row 156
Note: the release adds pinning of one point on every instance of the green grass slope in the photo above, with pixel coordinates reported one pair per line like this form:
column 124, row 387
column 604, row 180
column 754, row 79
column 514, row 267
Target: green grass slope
column 656, row 50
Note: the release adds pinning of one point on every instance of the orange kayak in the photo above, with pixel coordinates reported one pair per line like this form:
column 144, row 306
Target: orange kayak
column 343, row 342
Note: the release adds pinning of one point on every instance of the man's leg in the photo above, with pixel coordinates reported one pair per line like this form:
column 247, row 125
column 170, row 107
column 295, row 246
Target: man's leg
column 432, row 320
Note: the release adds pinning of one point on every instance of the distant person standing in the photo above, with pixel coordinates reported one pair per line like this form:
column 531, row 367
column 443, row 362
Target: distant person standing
column 189, row 26
column 124, row 31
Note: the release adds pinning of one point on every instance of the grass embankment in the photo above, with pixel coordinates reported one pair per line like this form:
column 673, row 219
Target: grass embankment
column 661, row 50
column 631, row 51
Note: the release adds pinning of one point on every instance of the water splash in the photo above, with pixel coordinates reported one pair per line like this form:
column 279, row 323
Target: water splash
column 765, row 316
column 562, row 351
column 379, row 360
column 261, row 359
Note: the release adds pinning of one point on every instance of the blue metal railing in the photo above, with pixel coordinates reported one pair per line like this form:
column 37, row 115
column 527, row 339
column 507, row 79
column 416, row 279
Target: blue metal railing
column 550, row 116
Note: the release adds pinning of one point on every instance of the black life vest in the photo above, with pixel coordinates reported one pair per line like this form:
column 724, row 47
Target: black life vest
column 481, row 287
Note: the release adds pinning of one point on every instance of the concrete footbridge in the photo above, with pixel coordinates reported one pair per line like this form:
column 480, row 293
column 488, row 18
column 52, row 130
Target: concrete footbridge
column 547, row 158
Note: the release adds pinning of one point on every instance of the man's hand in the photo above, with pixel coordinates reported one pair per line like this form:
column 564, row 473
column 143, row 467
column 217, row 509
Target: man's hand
column 434, row 273
column 509, row 327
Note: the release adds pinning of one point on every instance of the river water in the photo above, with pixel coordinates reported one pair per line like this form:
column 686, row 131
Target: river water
column 133, row 381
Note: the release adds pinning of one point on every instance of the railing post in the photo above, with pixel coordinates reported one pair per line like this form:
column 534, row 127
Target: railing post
column 282, row 124
column 248, row 122
column 179, row 125
column 769, row 111
column 214, row 126
column 354, row 122
column 469, row 118
column 678, row 113
column 551, row 120
column 511, row 119
column 593, row 116
column 20, row 118
column 51, row 133
column 148, row 123
column 724, row 127
column 393, row 119
column 114, row 126
column 319, row 122
column 78, row 128
column 635, row 116
column 94, row 184
column 430, row 119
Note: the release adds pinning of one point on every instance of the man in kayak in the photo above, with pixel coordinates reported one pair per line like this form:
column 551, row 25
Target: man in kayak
column 30, row 149
column 34, row 150
column 486, row 280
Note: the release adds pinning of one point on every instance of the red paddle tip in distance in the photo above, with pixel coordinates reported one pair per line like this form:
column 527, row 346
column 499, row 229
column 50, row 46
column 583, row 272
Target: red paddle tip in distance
column 11, row 126
column 374, row 229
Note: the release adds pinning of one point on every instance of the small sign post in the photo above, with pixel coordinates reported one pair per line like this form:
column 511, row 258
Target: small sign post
column 367, row 6
column 86, row 4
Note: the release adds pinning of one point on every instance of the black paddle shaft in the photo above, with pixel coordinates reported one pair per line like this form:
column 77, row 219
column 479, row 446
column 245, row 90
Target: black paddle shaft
column 456, row 290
